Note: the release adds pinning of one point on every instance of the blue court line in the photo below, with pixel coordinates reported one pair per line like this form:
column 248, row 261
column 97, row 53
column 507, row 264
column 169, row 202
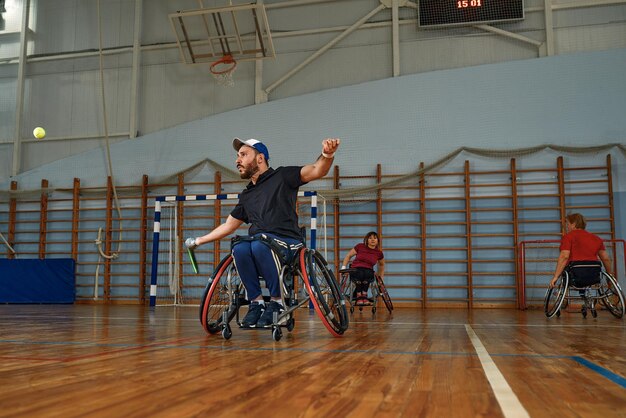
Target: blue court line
column 613, row 377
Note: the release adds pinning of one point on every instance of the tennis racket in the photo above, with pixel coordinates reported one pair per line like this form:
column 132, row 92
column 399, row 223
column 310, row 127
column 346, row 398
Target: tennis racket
column 192, row 259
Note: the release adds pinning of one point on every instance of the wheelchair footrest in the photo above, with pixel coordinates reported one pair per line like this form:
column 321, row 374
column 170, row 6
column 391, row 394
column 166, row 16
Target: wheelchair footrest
column 282, row 322
column 255, row 327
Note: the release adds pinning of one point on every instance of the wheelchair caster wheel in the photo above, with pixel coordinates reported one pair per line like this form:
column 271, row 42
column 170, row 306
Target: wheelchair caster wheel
column 594, row 313
column 584, row 312
column 277, row 334
column 290, row 324
column 227, row 332
column 351, row 309
column 373, row 311
column 360, row 309
column 558, row 313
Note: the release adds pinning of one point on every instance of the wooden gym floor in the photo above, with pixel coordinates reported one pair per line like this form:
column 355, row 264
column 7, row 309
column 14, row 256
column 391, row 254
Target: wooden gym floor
column 131, row 361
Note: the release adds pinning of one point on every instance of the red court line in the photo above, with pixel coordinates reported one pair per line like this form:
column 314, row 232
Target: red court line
column 121, row 350
column 28, row 358
column 105, row 353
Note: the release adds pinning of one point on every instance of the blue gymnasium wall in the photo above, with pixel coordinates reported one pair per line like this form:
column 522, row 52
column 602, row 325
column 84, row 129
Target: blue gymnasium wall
column 576, row 100
column 573, row 100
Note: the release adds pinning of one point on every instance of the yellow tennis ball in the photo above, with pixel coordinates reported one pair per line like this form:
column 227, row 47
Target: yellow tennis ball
column 39, row 132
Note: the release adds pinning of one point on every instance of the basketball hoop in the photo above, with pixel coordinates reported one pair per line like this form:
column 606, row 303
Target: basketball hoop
column 223, row 70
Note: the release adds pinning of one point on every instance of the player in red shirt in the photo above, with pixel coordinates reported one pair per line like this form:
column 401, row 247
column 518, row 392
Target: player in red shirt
column 368, row 254
column 579, row 245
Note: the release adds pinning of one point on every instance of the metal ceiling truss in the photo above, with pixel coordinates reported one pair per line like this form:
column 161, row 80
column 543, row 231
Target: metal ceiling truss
column 222, row 38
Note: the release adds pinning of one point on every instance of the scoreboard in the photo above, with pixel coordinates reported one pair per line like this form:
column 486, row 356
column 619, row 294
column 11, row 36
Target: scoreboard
column 468, row 12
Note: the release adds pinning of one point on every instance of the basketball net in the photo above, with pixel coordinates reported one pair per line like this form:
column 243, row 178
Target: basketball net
column 223, row 69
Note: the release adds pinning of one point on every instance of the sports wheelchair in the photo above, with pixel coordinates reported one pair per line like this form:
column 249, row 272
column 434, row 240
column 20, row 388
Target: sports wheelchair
column 304, row 279
column 588, row 282
column 378, row 289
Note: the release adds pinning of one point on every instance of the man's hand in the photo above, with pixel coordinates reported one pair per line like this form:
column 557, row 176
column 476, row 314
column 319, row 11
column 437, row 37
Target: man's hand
column 330, row 146
column 191, row 243
column 553, row 281
column 320, row 167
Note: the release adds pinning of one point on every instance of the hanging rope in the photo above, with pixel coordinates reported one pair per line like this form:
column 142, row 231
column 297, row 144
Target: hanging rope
column 99, row 241
column 7, row 244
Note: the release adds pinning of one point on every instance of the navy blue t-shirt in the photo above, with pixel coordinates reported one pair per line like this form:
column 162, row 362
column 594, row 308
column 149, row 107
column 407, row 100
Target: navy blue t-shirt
column 270, row 204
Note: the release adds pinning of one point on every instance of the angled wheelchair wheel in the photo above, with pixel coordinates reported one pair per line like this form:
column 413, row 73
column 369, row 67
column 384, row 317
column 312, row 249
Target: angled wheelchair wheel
column 220, row 296
column 383, row 293
column 555, row 296
column 612, row 295
column 347, row 288
column 324, row 291
column 345, row 285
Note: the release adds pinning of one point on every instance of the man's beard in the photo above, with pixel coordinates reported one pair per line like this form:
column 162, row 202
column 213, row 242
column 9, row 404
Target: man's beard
column 249, row 171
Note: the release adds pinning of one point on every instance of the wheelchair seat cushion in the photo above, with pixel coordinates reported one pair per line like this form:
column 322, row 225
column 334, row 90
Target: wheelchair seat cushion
column 278, row 247
column 584, row 273
column 361, row 274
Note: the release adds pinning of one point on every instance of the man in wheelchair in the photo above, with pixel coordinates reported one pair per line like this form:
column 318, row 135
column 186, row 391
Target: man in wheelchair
column 268, row 204
column 579, row 254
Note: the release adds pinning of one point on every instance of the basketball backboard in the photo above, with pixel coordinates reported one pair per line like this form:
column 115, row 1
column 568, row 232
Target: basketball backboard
column 205, row 35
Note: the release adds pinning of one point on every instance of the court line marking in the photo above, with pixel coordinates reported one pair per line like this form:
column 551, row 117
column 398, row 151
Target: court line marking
column 166, row 345
column 316, row 321
column 509, row 403
column 119, row 349
column 504, row 324
column 615, row 378
column 601, row 370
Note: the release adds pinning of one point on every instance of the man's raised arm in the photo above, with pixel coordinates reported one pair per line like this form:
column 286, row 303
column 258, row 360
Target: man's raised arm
column 321, row 167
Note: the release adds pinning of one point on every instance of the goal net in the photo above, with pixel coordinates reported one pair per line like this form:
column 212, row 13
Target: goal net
column 537, row 262
column 172, row 280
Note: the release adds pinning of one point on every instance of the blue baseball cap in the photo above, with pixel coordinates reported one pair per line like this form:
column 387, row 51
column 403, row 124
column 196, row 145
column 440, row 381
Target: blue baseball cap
column 253, row 143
